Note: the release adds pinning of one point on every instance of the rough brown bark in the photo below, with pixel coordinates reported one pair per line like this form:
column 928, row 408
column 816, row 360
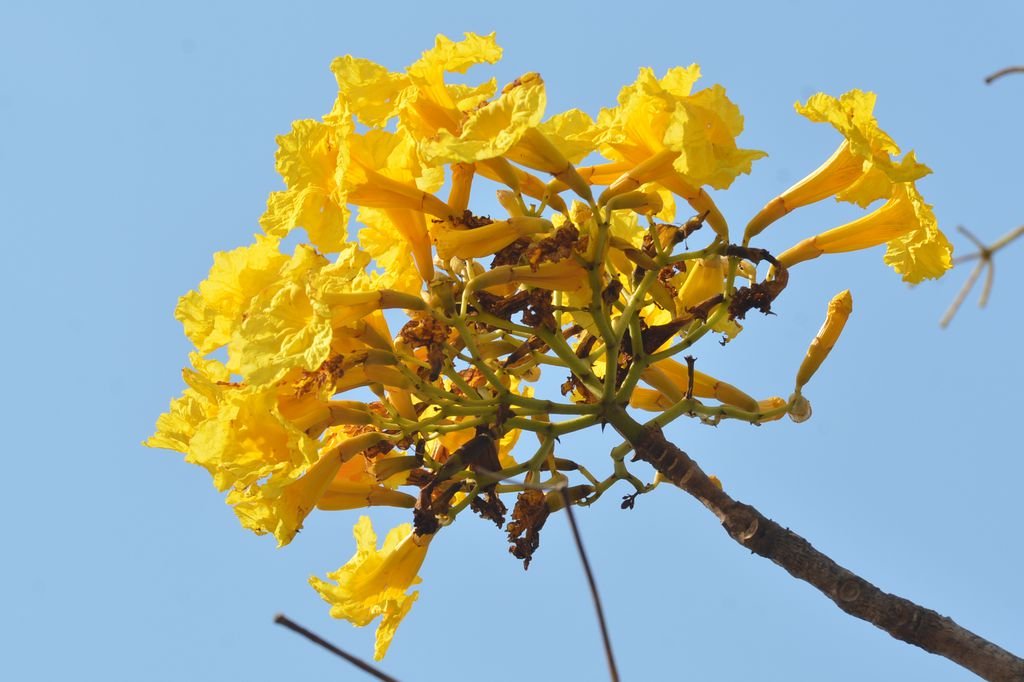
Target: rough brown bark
column 901, row 618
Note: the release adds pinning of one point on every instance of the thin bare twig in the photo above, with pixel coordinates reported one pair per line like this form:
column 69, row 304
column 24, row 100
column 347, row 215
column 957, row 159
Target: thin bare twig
column 1003, row 72
column 612, row 670
column 282, row 619
column 962, row 294
column 985, row 257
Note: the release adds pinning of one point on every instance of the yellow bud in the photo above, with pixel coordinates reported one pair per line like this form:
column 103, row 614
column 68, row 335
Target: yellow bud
column 485, row 240
column 672, row 378
column 769, row 404
column 645, row 203
column 509, row 201
column 839, row 309
column 462, row 181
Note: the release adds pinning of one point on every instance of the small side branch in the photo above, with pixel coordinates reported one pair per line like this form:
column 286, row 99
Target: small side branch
column 1003, row 72
column 284, row 620
column 901, row 618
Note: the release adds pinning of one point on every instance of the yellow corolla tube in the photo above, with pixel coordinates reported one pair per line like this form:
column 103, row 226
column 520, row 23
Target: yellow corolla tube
column 836, row 174
column 476, row 242
column 535, row 150
column 895, row 218
column 839, row 309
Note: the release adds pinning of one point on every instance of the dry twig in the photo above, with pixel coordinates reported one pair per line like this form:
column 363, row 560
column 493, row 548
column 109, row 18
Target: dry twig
column 282, row 619
column 984, row 256
column 612, row 670
column 1003, row 72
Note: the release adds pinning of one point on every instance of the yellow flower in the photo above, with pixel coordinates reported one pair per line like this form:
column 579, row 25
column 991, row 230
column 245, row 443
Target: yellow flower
column 860, row 171
column 852, row 115
column 283, row 326
column 211, row 314
column 491, row 129
column 917, row 249
column 564, row 275
column 327, row 165
column 572, row 133
column 375, row 583
column 393, row 254
column 922, row 253
column 424, row 103
column 175, row 428
column 686, row 140
column 281, row 508
column 308, row 159
column 248, row 439
column 393, row 157
column 430, row 104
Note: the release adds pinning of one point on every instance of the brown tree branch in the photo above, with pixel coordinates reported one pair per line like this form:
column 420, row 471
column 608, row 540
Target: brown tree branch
column 901, row 618
column 1003, row 72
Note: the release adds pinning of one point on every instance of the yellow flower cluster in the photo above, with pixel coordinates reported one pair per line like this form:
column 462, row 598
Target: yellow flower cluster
column 386, row 362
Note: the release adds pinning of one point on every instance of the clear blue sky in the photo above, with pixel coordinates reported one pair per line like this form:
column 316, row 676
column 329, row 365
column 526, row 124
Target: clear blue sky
column 140, row 139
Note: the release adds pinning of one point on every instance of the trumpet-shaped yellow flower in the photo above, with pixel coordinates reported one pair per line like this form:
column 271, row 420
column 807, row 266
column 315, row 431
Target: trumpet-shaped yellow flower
column 282, row 507
column 852, row 115
column 176, row 427
column 281, row 510
column 861, row 170
column 308, row 159
column 918, row 250
column 704, row 279
column 248, row 439
column 375, row 583
column 564, row 275
column 327, row 165
column 491, row 129
column 393, row 254
column 688, row 140
column 282, row 326
column 424, row 102
column 211, row 314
